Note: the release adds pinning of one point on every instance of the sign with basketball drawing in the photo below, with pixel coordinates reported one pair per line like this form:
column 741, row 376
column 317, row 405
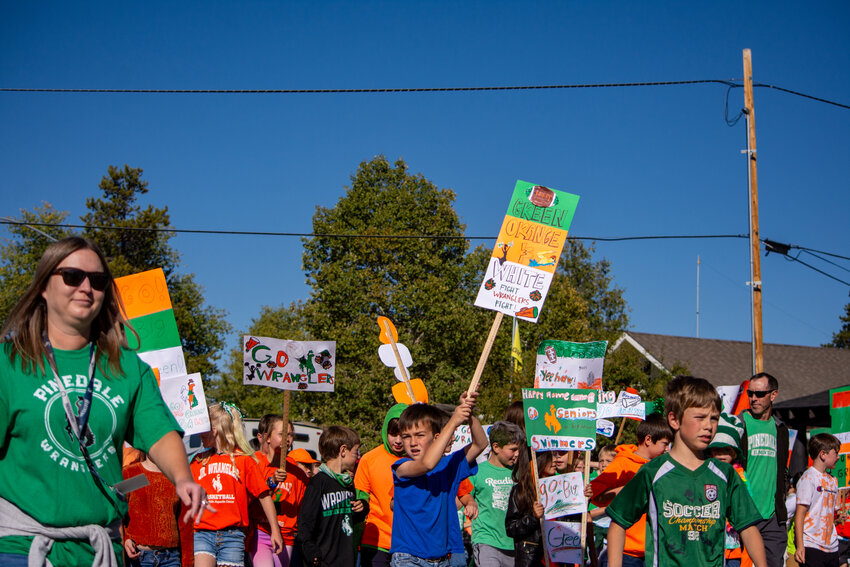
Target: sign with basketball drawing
column 527, row 250
column 289, row 365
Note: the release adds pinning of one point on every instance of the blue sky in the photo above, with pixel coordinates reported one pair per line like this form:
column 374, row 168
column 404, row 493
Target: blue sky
column 645, row 160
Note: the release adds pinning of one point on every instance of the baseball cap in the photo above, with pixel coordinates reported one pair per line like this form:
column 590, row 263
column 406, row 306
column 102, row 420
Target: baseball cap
column 301, row 456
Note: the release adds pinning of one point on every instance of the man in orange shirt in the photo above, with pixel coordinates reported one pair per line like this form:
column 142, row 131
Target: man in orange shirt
column 374, row 483
column 654, row 436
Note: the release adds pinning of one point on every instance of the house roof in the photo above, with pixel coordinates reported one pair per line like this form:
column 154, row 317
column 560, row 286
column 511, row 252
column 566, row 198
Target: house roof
column 800, row 370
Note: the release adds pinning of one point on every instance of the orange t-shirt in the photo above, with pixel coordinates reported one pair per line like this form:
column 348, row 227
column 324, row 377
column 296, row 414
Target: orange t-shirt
column 375, row 476
column 228, row 481
column 621, row 470
column 286, row 497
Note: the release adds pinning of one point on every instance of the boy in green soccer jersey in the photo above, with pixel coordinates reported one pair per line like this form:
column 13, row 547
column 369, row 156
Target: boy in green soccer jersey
column 686, row 498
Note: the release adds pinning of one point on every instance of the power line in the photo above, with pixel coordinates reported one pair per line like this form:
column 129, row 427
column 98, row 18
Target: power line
column 377, row 236
column 728, row 83
column 371, row 91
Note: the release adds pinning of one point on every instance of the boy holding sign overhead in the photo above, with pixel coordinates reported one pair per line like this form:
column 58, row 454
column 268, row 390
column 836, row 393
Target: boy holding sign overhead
column 426, row 482
column 687, row 498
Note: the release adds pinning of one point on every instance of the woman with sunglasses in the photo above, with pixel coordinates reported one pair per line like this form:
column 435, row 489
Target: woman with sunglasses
column 71, row 393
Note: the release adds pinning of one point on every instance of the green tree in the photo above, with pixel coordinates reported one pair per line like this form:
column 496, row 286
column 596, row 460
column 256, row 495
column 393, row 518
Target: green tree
column 18, row 258
column 841, row 339
column 136, row 239
column 427, row 286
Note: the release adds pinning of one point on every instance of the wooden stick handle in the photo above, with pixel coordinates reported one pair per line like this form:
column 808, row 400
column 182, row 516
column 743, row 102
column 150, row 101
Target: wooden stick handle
column 485, row 354
column 401, row 367
column 537, row 499
column 584, row 513
column 620, row 430
column 284, row 448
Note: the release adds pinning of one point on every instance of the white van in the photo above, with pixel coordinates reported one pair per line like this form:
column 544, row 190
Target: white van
column 306, row 437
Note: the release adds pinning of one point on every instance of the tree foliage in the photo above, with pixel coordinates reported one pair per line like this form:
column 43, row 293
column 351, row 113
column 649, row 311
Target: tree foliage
column 841, row 339
column 143, row 244
column 427, row 287
column 134, row 249
column 20, row 255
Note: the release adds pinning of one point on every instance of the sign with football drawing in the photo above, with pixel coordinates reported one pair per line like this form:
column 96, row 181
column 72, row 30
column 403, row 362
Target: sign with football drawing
column 527, row 250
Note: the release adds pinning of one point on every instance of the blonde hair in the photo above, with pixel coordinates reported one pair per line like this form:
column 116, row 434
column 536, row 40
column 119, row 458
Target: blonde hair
column 27, row 322
column 230, row 435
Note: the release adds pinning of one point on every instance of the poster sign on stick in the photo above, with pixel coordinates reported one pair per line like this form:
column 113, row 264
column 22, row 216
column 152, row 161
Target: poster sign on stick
column 562, row 364
column 526, row 254
column 562, row 494
column 560, row 420
column 147, row 306
column 839, row 413
column 289, row 365
column 563, row 541
column 184, row 396
column 627, row 405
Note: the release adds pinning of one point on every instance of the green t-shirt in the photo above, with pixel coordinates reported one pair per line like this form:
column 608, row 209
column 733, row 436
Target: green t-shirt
column 686, row 511
column 761, row 463
column 42, row 471
column 491, row 490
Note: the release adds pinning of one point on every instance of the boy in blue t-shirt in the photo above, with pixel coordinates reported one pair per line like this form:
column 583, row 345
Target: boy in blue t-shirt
column 426, row 483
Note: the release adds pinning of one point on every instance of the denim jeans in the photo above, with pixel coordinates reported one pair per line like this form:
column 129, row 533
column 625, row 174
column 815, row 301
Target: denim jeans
column 227, row 546
column 159, row 558
column 407, row 560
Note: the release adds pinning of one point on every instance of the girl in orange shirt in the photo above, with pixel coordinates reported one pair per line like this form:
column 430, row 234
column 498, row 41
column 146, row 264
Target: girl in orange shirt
column 229, row 473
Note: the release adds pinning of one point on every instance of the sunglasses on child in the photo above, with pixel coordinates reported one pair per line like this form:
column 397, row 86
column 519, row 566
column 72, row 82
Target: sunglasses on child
column 75, row 276
column 758, row 393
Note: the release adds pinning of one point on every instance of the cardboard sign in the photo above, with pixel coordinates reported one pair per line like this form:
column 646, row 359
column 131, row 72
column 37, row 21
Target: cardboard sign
column 562, row 495
column 627, row 405
column 526, row 254
column 840, row 471
column 147, row 306
column 839, row 413
column 560, row 420
column 562, row 364
column 563, row 541
column 289, row 365
column 185, row 397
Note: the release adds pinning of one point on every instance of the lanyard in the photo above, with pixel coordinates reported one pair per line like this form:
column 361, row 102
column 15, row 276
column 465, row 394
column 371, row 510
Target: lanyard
column 78, row 422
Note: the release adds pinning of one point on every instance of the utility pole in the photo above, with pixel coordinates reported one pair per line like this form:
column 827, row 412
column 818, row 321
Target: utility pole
column 755, row 255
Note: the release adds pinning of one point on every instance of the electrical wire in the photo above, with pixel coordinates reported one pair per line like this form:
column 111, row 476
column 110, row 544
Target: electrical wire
column 370, row 91
column 377, row 236
column 804, row 95
column 830, row 276
column 821, row 258
column 728, row 83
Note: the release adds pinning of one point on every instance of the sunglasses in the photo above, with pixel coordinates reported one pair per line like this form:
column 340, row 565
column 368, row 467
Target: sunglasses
column 75, row 276
column 758, row 393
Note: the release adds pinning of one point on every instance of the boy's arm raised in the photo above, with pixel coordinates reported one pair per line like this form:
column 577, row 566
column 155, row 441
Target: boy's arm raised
column 434, row 453
column 479, row 438
column 751, row 538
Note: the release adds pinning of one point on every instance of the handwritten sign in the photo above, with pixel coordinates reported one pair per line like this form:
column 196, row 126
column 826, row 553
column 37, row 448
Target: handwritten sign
column 563, row 541
column 526, row 254
column 562, row 495
column 289, row 365
column 148, row 308
column 560, row 419
column 627, row 405
column 185, row 397
column 562, row 364
column 604, row 427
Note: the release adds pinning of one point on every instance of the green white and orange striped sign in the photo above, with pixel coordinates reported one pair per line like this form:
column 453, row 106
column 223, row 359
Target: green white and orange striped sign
column 147, row 305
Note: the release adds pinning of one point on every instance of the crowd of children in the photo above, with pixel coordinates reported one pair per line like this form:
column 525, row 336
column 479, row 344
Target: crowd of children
column 676, row 497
